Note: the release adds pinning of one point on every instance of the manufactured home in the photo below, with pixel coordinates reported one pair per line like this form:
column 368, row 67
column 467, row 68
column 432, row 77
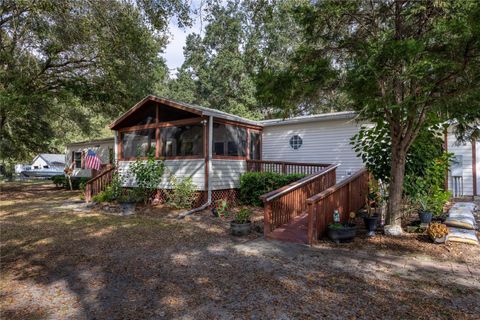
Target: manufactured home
column 75, row 154
column 214, row 148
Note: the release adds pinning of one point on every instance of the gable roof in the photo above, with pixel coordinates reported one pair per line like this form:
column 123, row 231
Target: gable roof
column 51, row 158
column 196, row 109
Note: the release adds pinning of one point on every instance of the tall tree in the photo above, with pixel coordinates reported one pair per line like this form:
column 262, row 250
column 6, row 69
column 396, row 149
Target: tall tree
column 410, row 63
column 223, row 65
column 63, row 63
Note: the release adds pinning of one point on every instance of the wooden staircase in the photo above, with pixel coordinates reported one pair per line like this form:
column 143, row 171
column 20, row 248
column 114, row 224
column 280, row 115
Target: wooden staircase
column 99, row 183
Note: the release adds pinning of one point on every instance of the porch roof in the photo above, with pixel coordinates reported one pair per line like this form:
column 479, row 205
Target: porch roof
column 195, row 109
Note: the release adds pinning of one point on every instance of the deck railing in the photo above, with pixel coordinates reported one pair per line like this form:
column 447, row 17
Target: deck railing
column 284, row 167
column 98, row 183
column 346, row 196
column 284, row 204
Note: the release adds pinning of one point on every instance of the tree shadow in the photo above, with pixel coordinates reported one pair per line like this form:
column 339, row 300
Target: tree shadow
column 149, row 267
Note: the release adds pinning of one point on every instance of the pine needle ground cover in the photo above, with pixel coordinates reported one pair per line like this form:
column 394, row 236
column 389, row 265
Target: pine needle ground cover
column 58, row 263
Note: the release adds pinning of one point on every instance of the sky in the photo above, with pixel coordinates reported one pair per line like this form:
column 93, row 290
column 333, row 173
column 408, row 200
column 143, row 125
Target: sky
column 174, row 51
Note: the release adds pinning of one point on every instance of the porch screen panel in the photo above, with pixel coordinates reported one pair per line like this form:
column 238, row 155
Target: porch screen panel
column 229, row 140
column 137, row 144
column 182, row 141
column 254, row 145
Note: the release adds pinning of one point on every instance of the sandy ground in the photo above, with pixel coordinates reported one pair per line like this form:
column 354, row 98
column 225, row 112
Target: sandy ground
column 61, row 262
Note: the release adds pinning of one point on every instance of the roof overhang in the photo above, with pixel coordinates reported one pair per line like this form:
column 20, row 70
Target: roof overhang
column 198, row 110
column 90, row 142
column 344, row 115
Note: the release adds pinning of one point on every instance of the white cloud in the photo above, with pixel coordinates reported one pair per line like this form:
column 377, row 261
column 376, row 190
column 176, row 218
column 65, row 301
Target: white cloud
column 174, row 50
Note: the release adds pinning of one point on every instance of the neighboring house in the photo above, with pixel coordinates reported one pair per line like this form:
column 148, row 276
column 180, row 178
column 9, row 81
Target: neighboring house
column 464, row 174
column 212, row 147
column 44, row 165
column 75, row 154
column 49, row 161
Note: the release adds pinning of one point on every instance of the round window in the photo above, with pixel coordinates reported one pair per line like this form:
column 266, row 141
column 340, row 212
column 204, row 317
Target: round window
column 296, row 142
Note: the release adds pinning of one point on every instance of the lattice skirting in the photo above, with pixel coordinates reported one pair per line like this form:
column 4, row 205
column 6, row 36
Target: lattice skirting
column 229, row 195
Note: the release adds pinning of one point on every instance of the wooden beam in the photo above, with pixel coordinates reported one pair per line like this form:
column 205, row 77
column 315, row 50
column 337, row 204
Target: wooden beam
column 175, row 123
column 238, row 124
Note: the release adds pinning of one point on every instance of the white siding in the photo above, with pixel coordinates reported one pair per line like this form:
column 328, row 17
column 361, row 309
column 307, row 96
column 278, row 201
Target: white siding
column 39, row 162
column 323, row 142
column 100, row 148
column 226, row 173
column 465, row 150
column 194, row 168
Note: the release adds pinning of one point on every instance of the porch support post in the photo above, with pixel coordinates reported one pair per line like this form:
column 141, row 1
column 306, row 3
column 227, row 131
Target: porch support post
column 474, row 167
column 209, row 162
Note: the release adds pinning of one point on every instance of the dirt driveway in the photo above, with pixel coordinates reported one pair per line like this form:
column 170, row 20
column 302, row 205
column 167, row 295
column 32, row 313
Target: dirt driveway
column 59, row 263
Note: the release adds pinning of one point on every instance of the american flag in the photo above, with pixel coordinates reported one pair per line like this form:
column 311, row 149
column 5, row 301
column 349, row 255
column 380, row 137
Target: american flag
column 92, row 161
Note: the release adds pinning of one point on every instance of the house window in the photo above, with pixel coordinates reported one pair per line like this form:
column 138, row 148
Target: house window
column 138, row 143
column 45, row 167
column 77, row 159
column 255, row 145
column 229, row 140
column 296, row 142
column 182, row 141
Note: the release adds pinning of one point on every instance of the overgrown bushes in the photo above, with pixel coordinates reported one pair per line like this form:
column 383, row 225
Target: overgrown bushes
column 254, row 184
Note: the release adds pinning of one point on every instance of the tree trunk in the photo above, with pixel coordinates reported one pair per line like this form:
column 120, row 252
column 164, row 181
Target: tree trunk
column 397, row 173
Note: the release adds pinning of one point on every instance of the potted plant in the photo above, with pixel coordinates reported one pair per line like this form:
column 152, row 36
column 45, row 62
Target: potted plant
column 241, row 224
column 342, row 232
column 221, row 209
column 127, row 201
column 437, row 232
column 370, row 219
column 424, row 211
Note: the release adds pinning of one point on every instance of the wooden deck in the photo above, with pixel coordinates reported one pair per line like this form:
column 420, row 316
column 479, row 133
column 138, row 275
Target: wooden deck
column 293, row 231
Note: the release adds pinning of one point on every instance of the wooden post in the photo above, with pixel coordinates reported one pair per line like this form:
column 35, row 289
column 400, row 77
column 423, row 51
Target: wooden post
column 284, row 168
column 310, row 226
column 267, row 215
column 349, row 199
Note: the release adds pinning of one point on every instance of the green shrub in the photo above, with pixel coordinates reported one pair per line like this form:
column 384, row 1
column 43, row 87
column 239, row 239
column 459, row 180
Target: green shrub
column 148, row 175
column 112, row 192
column 428, row 191
column 255, row 184
column 60, row 181
column 77, row 183
column 182, row 194
column 243, row 216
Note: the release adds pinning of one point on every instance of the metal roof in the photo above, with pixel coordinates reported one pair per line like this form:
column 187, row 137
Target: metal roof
column 96, row 141
column 310, row 118
column 204, row 111
column 52, row 158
